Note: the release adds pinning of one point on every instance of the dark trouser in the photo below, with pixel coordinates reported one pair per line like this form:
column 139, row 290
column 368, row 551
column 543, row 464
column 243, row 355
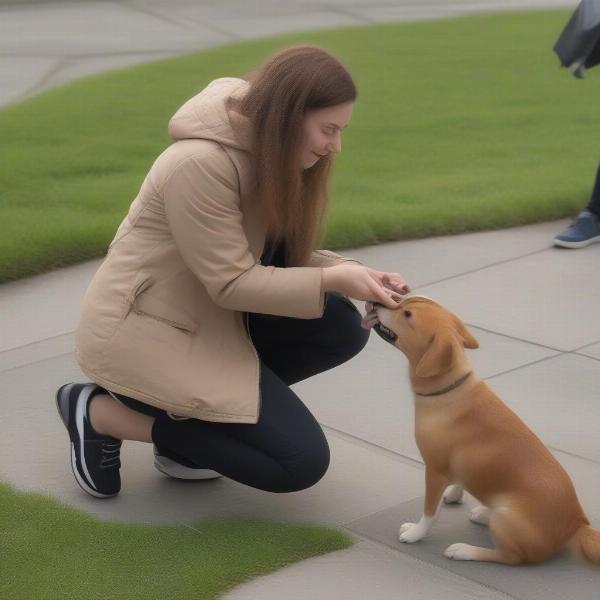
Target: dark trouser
column 286, row 450
column 594, row 204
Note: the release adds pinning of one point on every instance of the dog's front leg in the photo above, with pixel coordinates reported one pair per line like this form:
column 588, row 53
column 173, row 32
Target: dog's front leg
column 434, row 488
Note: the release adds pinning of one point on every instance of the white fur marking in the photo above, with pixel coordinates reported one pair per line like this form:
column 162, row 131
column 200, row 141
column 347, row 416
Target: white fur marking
column 481, row 515
column 411, row 532
column 453, row 494
column 461, row 552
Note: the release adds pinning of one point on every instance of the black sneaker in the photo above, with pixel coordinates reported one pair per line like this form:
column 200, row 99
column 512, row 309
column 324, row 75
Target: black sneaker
column 94, row 457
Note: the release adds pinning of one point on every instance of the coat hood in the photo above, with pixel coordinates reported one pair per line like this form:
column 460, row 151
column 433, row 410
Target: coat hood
column 205, row 116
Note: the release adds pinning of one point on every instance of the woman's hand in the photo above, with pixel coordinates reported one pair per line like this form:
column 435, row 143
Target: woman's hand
column 394, row 282
column 363, row 283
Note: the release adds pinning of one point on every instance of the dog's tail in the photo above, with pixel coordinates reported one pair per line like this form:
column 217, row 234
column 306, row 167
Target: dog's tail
column 585, row 544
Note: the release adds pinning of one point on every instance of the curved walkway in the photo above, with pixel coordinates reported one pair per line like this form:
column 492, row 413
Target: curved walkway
column 46, row 43
column 534, row 309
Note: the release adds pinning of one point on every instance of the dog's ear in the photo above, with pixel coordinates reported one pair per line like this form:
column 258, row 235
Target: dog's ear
column 440, row 356
column 467, row 337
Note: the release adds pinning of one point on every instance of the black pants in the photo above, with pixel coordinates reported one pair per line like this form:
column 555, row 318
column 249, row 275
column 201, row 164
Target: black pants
column 594, row 204
column 286, row 450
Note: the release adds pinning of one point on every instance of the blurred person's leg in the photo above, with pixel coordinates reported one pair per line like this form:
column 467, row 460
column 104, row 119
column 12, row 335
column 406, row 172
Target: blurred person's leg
column 585, row 229
column 594, row 203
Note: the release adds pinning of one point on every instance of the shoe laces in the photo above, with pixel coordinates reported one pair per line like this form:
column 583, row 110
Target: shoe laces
column 110, row 455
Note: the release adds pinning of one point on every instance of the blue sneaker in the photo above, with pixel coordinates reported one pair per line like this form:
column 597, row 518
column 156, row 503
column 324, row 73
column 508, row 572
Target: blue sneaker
column 583, row 231
column 94, row 457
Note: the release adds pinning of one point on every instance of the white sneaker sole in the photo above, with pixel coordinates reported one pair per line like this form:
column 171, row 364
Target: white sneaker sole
column 178, row 471
column 577, row 244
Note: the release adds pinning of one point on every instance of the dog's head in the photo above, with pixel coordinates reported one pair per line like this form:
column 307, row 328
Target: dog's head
column 432, row 338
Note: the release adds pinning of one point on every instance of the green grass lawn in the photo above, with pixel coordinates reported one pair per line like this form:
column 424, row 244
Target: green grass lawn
column 51, row 551
column 460, row 125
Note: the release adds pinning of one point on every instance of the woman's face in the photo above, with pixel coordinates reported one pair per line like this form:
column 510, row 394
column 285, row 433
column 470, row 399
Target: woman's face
column 322, row 132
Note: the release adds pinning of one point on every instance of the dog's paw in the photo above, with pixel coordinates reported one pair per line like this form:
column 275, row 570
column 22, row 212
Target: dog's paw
column 480, row 515
column 405, row 526
column 460, row 552
column 453, row 495
column 409, row 533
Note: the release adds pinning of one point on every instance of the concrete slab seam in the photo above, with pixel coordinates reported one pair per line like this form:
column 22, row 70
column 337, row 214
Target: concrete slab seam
column 515, row 338
column 534, row 362
column 357, row 441
column 61, row 63
column 349, row 13
column 35, row 362
column 432, row 565
column 132, row 6
column 495, row 264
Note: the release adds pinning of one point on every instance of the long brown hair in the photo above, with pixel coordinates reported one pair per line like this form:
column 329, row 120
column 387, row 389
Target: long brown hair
column 294, row 201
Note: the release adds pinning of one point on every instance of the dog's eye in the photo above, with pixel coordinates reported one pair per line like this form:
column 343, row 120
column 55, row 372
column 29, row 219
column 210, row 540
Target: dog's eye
column 407, row 314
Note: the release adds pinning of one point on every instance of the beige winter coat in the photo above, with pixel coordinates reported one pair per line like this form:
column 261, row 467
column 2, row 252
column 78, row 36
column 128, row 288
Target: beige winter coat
column 163, row 319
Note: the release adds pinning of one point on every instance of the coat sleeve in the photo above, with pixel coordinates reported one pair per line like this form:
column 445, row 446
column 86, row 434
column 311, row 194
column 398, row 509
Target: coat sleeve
column 327, row 258
column 202, row 208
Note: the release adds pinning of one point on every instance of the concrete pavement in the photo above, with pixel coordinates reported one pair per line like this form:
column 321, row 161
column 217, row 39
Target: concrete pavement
column 534, row 309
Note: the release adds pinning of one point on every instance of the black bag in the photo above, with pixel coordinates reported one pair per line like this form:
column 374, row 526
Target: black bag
column 578, row 46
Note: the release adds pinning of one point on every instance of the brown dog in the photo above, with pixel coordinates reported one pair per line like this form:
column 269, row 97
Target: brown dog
column 470, row 438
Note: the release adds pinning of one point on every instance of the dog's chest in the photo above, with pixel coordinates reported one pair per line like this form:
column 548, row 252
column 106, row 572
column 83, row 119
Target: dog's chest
column 434, row 434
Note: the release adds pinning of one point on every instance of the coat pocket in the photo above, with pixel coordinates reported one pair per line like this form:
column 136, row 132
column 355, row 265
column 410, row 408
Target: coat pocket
column 141, row 302
column 141, row 283
column 150, row 306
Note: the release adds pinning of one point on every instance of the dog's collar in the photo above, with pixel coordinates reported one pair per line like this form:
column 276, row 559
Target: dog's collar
column 450, row 387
